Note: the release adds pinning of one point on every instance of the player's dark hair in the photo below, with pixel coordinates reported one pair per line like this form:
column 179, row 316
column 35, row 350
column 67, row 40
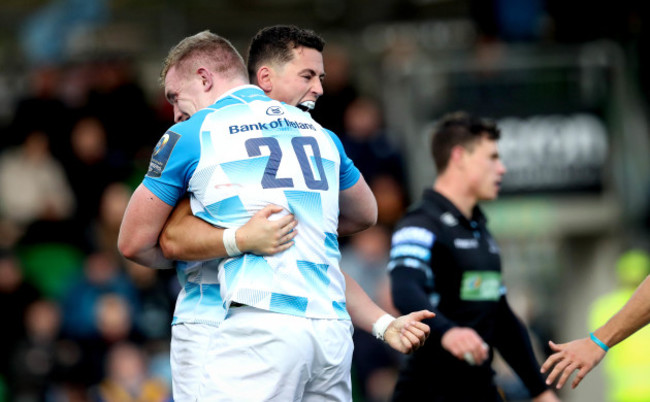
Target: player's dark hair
column 459, row 128
column 275, row 44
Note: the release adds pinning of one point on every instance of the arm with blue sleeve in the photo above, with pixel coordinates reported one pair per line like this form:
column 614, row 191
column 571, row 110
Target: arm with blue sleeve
column 170, row 168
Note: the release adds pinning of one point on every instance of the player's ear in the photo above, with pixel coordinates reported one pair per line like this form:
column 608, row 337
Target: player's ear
column 206, row 78
column 457, row 154
column 264, row 78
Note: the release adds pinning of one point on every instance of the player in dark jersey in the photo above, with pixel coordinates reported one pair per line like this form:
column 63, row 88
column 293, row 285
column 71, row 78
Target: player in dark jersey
column 444, row 259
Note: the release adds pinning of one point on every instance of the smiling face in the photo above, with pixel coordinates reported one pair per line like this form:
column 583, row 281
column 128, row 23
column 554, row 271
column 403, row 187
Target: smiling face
column 299, row 80
column 483, row 168
column 184, row 92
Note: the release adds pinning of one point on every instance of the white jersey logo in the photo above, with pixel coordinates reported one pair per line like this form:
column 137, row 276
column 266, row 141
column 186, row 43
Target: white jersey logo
column 448, row 219
column 466, row 243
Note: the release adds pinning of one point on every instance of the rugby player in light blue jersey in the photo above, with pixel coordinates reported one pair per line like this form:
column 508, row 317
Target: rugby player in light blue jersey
column 235, row 157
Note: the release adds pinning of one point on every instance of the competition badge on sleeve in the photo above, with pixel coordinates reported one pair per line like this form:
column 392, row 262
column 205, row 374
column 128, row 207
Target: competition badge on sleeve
column 161, row 153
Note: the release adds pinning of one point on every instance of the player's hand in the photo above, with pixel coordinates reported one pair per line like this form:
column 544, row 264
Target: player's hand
column 407, row 333
column 582, row 355
column 267, row 237
column 466, row 344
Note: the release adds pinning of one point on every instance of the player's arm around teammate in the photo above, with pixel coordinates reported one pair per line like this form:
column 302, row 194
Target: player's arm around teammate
column 146, row 217
column 358, row 208
column 286, row 62
column 142, row 223
column 186, row 237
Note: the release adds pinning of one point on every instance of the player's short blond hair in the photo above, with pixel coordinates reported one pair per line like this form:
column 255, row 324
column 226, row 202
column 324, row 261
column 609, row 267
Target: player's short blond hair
column 205, row 49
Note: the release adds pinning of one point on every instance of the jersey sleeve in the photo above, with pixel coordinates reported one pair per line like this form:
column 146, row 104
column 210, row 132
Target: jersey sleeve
column 349, row 173
column 513, row 342
column 410, row 273
column 172, row 163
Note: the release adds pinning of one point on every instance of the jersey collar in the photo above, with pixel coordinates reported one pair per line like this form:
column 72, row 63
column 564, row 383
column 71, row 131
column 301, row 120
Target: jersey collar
column 435, row 197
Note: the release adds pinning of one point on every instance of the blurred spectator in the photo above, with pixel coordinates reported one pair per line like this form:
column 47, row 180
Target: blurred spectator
column 102, row 274
column 114, row 88
column 365, row 258
column 367, row 144
column 127, row 378
column 338, row 90
column 41, row 109
column 113, row 316
column 104, row 229
column 16, row 295
column 391, row 199
column 156, row 299
column 627, row 365
column 33, row 186
column 159, row 363
column 89, row 168
column 380, row 161
column 37, row 363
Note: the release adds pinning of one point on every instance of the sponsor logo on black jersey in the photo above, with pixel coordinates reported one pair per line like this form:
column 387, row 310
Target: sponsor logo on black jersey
column 466, row 243
column 161, row 153
column 481, row 286
column 448, row 219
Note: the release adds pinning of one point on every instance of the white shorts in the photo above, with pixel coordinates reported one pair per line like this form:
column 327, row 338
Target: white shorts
column 258, row 355
column 189, row 353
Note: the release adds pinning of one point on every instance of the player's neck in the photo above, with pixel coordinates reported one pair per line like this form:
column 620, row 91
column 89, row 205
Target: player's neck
column 222, row 87
column 456, row 192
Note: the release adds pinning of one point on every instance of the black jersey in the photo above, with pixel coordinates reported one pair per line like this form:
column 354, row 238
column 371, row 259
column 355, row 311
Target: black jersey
column 444, row 262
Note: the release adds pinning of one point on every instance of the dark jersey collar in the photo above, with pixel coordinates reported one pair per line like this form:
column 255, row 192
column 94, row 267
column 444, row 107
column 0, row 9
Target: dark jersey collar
column 442, row 202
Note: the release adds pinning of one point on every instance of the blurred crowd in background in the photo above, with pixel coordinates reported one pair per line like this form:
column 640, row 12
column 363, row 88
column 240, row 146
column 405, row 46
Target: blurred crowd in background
column 80, row 323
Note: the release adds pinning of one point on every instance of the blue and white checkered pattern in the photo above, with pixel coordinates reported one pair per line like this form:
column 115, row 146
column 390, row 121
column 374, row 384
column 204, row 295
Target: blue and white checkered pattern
column 237, row 156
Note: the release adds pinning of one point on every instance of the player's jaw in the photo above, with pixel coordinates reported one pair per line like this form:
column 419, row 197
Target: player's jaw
column 492, row 184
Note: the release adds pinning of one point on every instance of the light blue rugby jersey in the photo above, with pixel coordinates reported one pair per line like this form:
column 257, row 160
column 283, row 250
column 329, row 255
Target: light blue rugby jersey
column 235, row 157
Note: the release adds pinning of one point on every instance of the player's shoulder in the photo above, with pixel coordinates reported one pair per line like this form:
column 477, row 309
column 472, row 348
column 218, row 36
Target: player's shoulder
column 412, row 229
column 191, row 125
column 422, row 215
column 422, row 209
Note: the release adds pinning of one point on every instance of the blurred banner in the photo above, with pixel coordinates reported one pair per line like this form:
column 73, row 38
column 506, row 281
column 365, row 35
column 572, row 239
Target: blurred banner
column 571, row 124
